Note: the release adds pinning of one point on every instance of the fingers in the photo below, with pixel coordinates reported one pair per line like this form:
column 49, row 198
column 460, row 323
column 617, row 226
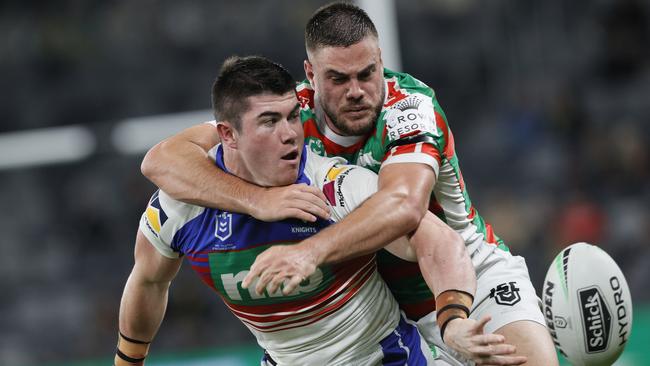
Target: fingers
column 255, row 271
column 478, row 327
column 292, row 284
column 501, row 360
column 312, row 200
column 493, row 349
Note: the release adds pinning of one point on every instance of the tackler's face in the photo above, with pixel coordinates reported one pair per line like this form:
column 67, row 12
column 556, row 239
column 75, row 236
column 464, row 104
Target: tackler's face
column 349, row 85
column 271, row 139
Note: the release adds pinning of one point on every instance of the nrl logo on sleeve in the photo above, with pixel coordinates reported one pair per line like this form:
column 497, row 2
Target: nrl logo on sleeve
column 223, row 226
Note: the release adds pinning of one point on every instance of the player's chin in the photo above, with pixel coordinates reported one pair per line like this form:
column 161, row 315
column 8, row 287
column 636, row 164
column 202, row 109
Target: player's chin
column 360, row 126
column 288, row 173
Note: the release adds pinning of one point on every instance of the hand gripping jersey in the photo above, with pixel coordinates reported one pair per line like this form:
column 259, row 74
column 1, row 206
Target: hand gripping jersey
column 411, row 128
column 342, row 314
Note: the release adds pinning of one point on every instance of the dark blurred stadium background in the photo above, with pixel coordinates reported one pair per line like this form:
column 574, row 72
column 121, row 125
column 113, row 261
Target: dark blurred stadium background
column 549, row 102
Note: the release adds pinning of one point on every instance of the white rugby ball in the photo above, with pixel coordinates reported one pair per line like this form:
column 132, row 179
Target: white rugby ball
column 587, row 306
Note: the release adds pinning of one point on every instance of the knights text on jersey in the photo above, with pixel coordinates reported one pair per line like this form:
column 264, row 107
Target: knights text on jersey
column 336, row 316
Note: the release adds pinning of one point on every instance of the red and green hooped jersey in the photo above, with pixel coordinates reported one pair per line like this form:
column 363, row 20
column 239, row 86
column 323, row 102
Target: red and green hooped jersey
column 411, row 127
column 340, row 314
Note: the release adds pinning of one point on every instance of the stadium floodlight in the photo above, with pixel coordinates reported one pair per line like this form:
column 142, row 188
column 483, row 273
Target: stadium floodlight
column 137, row 135
column 45, row 146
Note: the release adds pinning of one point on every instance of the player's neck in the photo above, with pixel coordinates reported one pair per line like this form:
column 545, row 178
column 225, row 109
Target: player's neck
column 236, row 166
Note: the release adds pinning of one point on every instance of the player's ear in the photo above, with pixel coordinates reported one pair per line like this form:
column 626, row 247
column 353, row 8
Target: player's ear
column 228, row 134
column 309, row 71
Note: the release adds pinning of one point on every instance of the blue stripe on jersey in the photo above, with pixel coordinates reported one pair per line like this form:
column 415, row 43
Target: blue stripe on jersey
column 403, row 346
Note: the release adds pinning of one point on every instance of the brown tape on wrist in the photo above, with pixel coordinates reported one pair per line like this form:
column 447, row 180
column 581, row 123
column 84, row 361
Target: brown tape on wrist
column 130, row 351
column 452, row 304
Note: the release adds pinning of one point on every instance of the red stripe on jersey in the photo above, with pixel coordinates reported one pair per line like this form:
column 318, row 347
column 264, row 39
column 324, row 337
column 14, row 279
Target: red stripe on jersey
column 394, row 94
column 194, row 257
column 449, row 138
column 200, row 269
column 313, row 317
column 431, row 151
column 344, row 271
column 417, row 310
column 404, row 149
column 472, row 213
column 331, row 147
column 489, row 234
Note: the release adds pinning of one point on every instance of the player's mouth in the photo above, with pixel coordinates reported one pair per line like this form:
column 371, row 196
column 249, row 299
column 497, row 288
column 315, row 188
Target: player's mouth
column 293, row 155
column 356, row 111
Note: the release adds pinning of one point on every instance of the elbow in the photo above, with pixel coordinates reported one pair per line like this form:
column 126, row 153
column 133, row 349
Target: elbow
column 150, row 167
column 409, row 212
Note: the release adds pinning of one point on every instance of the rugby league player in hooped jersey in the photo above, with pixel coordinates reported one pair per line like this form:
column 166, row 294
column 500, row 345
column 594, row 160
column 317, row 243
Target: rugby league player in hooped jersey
column 390, row 123
column 342, row 314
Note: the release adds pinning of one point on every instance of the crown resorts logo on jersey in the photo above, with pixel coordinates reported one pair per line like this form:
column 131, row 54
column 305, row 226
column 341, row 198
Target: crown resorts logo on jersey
column 406, row 118
column 155, row 215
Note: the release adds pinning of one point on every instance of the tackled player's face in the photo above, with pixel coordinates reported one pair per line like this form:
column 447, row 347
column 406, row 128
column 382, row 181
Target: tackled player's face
column 349, row 85
column 271, row 139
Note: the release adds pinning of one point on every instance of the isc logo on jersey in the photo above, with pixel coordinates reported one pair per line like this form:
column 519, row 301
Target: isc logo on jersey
column 588, row 312
column 410, row 116
column 155, row 216
column 231, row 284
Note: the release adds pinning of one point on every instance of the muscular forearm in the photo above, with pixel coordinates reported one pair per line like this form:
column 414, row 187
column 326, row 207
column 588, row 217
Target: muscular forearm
column 142, row 308
column 442, row 257
column 185, row 171
column 384, row 217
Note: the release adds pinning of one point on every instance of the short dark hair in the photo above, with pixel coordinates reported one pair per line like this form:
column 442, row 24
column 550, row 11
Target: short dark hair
column 242, row 77
column 338, row 24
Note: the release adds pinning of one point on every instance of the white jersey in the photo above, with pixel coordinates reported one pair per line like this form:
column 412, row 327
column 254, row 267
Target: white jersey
column 339, row 315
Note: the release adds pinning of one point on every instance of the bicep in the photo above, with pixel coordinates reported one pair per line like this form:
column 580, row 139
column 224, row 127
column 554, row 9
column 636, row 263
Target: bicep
column 204, row 135
column 150, row 265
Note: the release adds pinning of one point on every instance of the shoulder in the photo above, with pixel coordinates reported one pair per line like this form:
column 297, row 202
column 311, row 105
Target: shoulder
column 345, row 186
column 163, row 218
column 317, row 167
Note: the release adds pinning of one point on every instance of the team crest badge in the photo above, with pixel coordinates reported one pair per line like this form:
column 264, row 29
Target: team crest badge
column 223, row 227
column 506, row 294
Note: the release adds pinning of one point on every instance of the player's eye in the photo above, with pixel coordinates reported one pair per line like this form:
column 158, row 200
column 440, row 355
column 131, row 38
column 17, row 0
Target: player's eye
column 338, row 79
column 366, row 74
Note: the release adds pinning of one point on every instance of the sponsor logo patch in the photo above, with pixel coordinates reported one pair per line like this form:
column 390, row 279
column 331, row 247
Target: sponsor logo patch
column 597, row 320
column 411, row 116
column 155, row 215
column 506, row 294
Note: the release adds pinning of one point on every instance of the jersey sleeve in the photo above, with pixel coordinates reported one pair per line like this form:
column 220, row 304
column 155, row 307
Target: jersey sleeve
column 162, row 219
column 345, row 186
column 415, row 131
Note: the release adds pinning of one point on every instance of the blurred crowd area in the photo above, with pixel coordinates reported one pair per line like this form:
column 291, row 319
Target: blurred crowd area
column 549, row 102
